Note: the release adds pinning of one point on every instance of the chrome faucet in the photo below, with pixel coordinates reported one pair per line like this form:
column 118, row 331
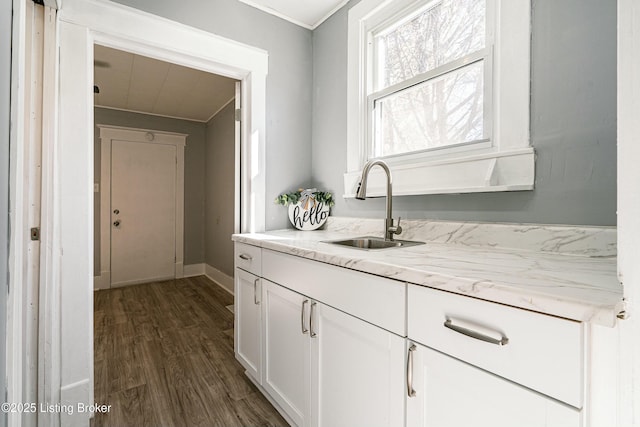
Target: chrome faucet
column 361, row 194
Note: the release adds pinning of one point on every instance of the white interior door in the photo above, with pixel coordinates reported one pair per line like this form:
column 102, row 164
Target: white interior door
column 143, row 212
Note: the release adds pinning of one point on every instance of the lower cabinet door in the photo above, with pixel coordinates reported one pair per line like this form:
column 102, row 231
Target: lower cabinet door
column 286, row 350
column 357, row 371
column 452, row 393
column 248, row 323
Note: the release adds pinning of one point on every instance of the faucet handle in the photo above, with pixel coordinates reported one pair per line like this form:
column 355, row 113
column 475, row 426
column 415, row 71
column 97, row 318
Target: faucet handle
column 396, row 229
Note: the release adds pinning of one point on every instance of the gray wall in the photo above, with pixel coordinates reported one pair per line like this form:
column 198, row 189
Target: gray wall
column 573, row 124
column 289, row 83
column 5, row 89
column 194, row 167
column 219, row 190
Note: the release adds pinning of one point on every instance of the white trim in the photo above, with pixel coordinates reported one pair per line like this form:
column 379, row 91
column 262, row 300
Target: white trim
column 179, row 270
column 329, row 14
column 103, row 281
column 233, row 98
column 275, row 13
column 70, row 396
column 237, row 160
column 293, row 20
column 192, row 270
column 509, row 126
column 73, row 193
column 220, row 278
column 111, row 133
column 144, row 33
column 49, row 354
column 146, row 113
column 141, row 281
column 504, row 171
column 166, row 116
column 18, row 374
column 628, row 348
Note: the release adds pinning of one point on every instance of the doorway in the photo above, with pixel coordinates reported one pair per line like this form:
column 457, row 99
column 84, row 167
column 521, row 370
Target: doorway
column 145, row 230
column 80, row 26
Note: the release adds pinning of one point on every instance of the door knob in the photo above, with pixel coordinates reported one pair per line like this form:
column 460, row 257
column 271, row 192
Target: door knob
column 116, row 211
column 116, row 223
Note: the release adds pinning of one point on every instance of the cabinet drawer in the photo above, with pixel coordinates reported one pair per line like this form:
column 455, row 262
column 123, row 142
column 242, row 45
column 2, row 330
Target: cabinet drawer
column 371, row 298
column 544, row 353
column 248, row 258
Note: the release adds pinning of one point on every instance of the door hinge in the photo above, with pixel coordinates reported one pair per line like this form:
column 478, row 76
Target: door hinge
column 238, row 114
column 623, row 310
column 35, row 233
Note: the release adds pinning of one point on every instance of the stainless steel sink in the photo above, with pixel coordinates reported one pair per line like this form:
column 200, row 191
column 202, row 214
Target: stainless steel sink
column 374, row 243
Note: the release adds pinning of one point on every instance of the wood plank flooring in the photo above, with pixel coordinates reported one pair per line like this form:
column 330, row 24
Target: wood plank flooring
column 164, row 357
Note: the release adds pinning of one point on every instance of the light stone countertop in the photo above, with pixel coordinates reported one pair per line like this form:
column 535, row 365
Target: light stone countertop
column 568, row 272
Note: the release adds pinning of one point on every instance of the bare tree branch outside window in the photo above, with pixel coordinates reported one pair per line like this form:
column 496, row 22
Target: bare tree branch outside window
column 441, row 111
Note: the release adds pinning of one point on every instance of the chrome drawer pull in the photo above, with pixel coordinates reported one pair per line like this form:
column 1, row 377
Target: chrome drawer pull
column 304, row 329
column 410, row 391
column 255, row 292
column 477, row 332
column 313, row 333
column 245, row 257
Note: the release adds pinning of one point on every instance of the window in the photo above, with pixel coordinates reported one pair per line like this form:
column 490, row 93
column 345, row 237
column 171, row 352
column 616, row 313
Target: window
column 440, row 90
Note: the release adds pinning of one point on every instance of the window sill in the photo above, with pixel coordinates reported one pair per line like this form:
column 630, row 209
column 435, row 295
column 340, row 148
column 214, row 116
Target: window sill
column 512, row 170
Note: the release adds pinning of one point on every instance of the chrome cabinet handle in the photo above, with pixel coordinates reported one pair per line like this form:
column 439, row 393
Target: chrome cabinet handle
column 410, row 391
column 477, row 332
column 255, row 292
column 313, row 333
column 302, row 316
column 245, row 257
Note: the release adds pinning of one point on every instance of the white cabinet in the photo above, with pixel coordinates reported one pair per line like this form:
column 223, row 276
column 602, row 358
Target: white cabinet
column 542, row 352
column 286, row 351
column 247, row 322
column 452, row 393
column 335, row 347
column 357, row 372
column 247, row 307
column 477, row 363
column 326, row 368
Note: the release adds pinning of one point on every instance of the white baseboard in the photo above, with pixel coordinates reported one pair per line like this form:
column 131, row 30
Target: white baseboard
column 179, row 270
column 140, row 281
column 192, row 270
column 225, row 282
column 74, row 398
column 103, row 281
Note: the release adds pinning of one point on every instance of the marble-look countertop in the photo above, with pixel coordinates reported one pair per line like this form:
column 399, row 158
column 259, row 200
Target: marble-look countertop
column 568, row 272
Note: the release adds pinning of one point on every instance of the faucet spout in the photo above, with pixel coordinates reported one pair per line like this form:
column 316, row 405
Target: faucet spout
column 361, row 194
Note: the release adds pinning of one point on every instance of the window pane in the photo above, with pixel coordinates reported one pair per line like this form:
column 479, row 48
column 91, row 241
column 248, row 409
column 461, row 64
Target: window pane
column 443, row 111
column 441, row 33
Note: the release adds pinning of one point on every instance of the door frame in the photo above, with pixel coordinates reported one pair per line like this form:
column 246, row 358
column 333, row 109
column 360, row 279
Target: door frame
column 109, row 133
column 628, row 127
column 83, row 23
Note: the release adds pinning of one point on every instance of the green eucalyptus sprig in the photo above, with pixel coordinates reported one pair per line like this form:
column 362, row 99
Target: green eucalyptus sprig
column 287, row 199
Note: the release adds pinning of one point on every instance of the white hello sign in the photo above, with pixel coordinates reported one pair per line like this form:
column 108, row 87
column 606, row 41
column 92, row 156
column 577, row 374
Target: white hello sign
column 308, row 213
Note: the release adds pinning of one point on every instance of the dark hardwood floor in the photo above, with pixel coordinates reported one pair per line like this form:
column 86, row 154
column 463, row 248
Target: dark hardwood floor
column 164, row 357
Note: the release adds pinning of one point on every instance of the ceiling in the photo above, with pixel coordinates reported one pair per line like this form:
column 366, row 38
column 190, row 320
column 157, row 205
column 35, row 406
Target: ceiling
column 306, row 13
column 137, row 83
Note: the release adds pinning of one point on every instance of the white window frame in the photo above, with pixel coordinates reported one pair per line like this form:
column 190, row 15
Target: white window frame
column 504, row 162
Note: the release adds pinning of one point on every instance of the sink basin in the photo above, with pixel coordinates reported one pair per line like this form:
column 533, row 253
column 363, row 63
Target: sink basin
column 374, row 243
